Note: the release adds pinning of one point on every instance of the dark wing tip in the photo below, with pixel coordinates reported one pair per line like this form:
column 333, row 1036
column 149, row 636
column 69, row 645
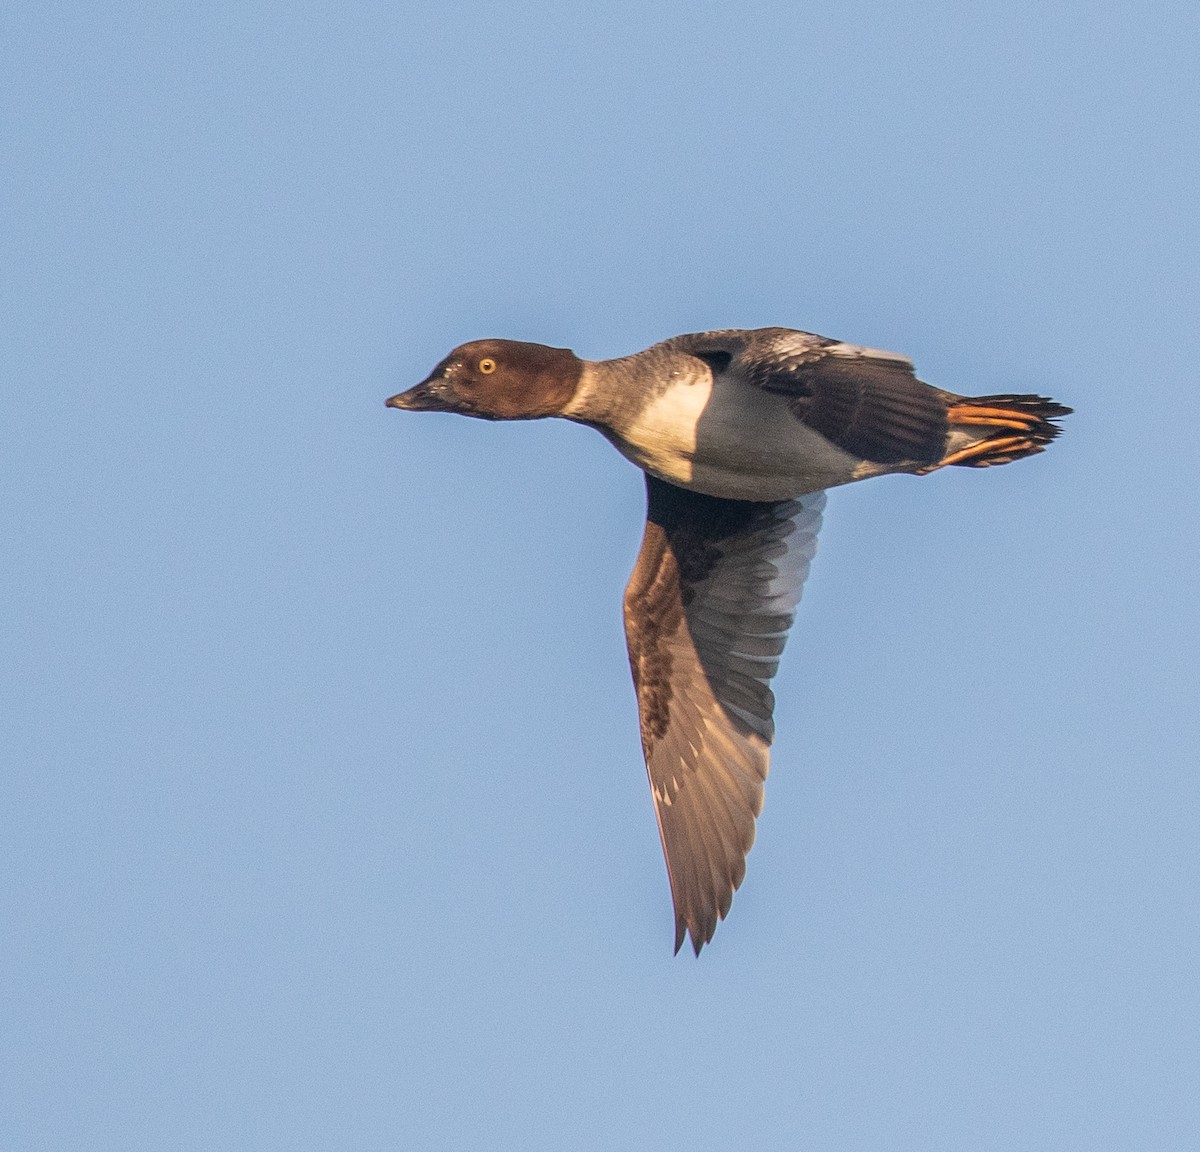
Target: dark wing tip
column 683, row 929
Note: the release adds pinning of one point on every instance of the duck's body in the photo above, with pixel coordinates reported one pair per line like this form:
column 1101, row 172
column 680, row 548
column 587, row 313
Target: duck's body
column 739, row 433
column 706, row 429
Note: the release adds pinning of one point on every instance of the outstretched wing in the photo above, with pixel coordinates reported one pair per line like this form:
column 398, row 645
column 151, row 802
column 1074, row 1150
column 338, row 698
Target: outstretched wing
column 707, row 612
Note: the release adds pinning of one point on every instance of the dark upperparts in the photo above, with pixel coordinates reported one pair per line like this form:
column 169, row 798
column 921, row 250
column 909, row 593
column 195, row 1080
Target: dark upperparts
column 497, row 380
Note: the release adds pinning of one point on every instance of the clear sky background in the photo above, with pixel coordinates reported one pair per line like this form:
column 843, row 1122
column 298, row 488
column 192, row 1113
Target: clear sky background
column 324, row 821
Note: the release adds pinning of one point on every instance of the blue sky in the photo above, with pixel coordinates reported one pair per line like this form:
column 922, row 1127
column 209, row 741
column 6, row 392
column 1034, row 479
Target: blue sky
column 325, row 822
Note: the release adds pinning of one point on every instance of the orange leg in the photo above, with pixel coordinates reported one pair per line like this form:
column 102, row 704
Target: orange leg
column 989, row 448
column 993, row 417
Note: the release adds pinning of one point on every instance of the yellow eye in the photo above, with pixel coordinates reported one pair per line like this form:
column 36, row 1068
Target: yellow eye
column 487, row 365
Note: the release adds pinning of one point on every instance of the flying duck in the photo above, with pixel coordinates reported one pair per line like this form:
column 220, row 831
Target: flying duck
column 739, row 433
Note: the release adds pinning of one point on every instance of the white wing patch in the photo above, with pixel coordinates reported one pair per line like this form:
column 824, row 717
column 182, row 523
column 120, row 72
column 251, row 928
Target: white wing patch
column 858, row 352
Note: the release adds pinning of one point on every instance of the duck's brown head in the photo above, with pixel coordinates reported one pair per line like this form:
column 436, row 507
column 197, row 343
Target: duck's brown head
column 497, row 380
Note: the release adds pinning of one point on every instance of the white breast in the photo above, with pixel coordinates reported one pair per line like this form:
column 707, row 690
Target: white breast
column 729, row 439
column 662, row 437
